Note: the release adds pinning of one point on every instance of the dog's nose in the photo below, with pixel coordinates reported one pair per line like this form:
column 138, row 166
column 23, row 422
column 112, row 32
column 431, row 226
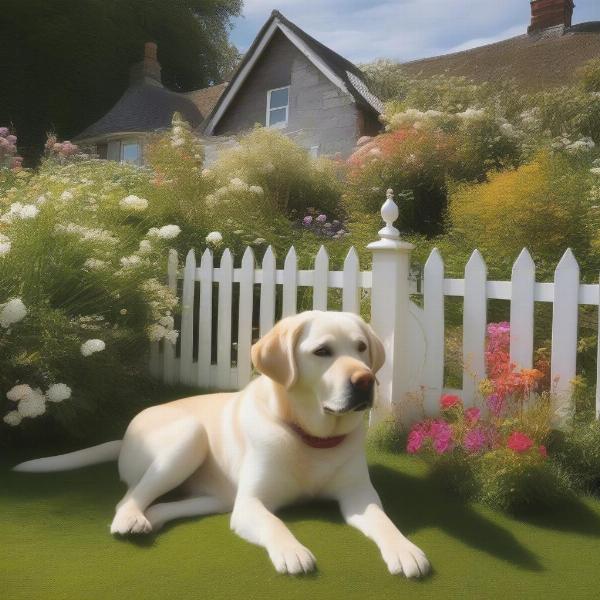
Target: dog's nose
column 362, row 380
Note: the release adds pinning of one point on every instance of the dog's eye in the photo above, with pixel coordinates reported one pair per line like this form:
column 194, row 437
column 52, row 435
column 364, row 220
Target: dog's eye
column 323, row 351
column 361, row 346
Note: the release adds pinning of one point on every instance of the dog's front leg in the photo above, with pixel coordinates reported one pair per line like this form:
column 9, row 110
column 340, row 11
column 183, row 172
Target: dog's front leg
column 252, row 521
column 361, row 508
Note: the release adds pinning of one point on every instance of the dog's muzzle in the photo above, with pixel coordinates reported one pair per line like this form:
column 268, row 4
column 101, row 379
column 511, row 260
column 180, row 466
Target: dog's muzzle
column 359, row 396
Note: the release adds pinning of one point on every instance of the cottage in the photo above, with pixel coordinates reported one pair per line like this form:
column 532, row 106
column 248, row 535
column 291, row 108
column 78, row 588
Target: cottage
column 286, row 80
column 145, row 107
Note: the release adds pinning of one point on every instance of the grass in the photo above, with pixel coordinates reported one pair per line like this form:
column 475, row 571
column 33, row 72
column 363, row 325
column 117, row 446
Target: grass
column 56, row 545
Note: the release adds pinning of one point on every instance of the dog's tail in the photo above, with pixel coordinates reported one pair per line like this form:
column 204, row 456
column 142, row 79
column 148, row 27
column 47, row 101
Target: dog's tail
column 73, row 460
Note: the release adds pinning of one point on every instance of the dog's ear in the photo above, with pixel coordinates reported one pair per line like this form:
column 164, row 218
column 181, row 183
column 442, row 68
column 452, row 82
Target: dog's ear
column 273, row 354
column 376, row 349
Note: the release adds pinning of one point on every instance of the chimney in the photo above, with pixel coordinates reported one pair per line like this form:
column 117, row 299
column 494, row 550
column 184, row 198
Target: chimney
column 550, row 13
column 148, row 70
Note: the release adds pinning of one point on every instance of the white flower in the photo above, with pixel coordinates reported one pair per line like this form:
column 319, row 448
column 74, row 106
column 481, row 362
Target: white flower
column 145, row 247
column 130, row 261
column 594, row 170
column 58, row 392
column 177, row 141
column 20, row 211
column 66, row 195
column 91, row 346
column 167, row 232
column 206, row 172
column 133, row 203
column 13, row 418
column 167, row 321
column 214, row 238
column 123, row 311
column 41, row 200
column 29, row 211
column 237, row 184
column 18, row 392
column 259, row 241
column 12, row 312
column 95, row 264
column 5, row 245
column 156, row 332
column 471, row 113
column 33, row 405
column 171, row 336
column 256, row 189
column 177, row 130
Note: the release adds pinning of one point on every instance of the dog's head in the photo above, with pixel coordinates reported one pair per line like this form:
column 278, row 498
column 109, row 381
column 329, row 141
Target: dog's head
column 327, row 361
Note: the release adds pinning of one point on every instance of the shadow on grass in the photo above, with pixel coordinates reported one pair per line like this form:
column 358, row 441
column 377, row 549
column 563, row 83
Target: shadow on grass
column 412, row 502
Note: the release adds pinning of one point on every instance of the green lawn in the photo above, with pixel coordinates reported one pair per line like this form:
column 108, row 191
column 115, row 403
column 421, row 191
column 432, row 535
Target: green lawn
column 54, row 543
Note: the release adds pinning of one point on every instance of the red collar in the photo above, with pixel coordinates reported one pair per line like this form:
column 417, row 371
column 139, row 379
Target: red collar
column 317, row 442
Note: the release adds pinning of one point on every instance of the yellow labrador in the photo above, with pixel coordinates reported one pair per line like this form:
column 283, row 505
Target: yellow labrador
column 295, row 432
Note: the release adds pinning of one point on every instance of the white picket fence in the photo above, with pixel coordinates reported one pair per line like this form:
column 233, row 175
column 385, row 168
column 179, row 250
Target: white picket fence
column 414, row 337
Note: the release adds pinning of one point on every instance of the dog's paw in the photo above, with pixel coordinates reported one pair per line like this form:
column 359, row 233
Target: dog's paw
column 130, row 521
column 405, row 557
column 292, row 559
column 155, row 517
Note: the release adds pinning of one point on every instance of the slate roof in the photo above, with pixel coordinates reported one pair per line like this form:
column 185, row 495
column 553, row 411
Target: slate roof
column 352, row 77
column 536, row 61
column 144, row 107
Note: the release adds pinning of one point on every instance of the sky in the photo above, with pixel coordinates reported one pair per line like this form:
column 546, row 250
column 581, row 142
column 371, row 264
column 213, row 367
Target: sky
column 364, row 30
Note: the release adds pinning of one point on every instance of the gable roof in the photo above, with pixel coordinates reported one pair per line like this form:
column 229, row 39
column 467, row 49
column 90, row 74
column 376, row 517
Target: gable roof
column 535, row 61
column 144, row 107
column 340, row 71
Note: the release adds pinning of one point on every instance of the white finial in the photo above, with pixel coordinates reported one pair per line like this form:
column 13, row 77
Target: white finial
column 389, row 213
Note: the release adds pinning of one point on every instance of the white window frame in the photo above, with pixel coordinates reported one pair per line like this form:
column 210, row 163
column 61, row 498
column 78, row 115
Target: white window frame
column 131, row 143
column 281, row 124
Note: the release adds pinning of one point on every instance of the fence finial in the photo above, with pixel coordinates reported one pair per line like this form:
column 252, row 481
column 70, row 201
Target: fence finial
column 389, row 213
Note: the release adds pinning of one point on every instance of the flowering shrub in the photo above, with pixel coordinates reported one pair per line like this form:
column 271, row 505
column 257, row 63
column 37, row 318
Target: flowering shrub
column 496, row 452
column 552, row 203
column 79, row 297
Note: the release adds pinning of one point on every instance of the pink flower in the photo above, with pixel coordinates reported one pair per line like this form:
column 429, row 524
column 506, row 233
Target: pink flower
column 449, row 401
column 415, row 440
column 472, row 415
column 475, row 440
column 441, row 435
column 495, row 403
column 519, row 442
column 321, row 218
column 307, row 220
column 3, row 131
column 543, row 451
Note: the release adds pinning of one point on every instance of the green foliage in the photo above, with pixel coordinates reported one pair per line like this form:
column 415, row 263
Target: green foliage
column 577, row 451
column 65, row 63
column 83, row 262
column 590, row 76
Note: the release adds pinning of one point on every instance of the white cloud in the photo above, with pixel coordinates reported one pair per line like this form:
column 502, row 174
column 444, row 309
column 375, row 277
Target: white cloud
column 363, row 30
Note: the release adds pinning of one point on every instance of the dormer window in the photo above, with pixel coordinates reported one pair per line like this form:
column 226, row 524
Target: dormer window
column 278, row 102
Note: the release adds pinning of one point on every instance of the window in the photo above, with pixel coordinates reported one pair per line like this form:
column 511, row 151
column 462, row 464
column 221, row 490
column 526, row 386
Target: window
column 102, row 151
column 131, row 152
column 278, row 107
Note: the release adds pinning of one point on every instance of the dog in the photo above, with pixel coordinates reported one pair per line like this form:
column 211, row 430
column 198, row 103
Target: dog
column 295, row 432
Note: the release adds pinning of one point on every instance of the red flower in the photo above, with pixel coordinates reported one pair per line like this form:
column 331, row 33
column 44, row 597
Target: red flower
column 519, row 442
column 543, row 451
column 449, row 401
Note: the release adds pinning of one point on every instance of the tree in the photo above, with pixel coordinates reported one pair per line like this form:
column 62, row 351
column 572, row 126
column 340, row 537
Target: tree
column 64, row 63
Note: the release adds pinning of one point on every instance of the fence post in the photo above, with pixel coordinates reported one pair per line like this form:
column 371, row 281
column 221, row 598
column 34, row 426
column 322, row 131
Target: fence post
column 389, row 310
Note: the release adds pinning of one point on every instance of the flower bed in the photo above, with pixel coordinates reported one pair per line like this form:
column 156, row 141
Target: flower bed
column 496, row 452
